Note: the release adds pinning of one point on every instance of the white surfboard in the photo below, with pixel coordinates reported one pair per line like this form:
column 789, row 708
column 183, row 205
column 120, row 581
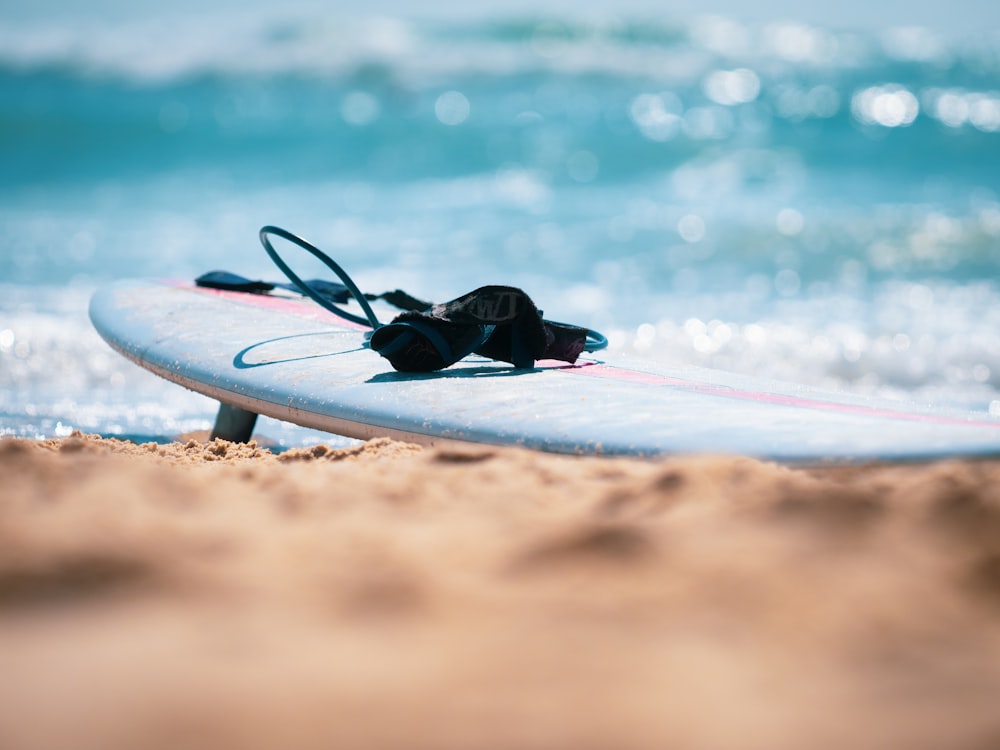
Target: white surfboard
column 287, row 358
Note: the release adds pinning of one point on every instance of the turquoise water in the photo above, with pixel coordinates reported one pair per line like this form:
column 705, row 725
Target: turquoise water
column 798, row 202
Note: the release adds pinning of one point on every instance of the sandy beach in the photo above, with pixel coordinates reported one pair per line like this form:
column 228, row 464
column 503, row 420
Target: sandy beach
column 220, row 596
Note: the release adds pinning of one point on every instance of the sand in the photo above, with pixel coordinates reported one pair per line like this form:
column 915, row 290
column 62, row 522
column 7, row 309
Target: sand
column 220, row 596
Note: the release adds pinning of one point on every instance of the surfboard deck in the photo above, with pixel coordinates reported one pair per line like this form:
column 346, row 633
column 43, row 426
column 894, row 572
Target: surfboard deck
column 287, row 358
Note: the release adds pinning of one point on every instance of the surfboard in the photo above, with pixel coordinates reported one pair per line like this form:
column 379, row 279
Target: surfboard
column 287, row 358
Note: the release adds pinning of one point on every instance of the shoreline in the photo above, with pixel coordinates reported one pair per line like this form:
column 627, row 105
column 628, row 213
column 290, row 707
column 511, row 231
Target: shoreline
column 386, row 595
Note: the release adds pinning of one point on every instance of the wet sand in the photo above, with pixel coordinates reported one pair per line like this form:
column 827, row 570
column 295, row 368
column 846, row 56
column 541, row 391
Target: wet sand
column 219, row 596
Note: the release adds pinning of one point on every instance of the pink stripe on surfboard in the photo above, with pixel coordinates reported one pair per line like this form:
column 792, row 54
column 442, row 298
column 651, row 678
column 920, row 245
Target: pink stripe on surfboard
column 598, row 370
column 290, row 305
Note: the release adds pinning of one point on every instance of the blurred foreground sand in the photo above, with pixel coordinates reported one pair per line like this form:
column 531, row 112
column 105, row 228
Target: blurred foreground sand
column 219, row 596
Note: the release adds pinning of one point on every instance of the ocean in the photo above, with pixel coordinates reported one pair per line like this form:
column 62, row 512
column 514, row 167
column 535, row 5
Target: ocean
column 807, row 203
